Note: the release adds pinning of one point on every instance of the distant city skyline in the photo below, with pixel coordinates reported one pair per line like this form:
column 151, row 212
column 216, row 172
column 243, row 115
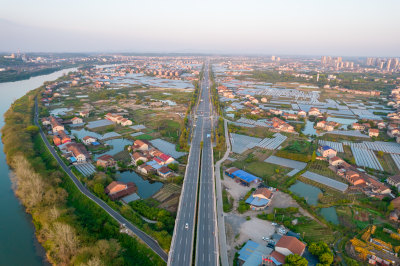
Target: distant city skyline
column 309, row 27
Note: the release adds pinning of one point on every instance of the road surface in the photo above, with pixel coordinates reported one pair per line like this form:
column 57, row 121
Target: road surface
column 148, row 240
column 207, row 234
column 220, row 214
column 181, row 252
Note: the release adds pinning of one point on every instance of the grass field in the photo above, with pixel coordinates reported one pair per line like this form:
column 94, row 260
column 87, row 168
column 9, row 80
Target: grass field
column 321, row 167
column 123, row 156
column 314, row 232
column 260, row 169
column 144, row 136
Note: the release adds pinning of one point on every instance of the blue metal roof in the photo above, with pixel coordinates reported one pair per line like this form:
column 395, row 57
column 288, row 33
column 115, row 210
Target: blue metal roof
column 245, row 176
column 95, row 143
column 154, row 164
column 247, row 250
column 256, row 201
column 326, row 147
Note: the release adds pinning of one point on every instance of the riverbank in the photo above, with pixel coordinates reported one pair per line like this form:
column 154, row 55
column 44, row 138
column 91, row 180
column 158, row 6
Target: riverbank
column 71, row 228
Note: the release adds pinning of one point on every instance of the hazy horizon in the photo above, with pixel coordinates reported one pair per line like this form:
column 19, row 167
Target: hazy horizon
column 289, row 27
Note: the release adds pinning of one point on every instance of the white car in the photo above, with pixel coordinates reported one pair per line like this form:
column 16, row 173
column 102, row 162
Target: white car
column 265, row 238
column 186, row 226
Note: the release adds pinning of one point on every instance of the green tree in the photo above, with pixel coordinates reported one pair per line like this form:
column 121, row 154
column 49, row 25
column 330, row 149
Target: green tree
column 173, row 166
column 313, row 156
column 33, row 130
column 326, row 258
column 295, row 260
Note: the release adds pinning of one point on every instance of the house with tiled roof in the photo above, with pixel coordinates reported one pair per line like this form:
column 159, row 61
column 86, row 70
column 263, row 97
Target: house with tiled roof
column 105, row 161
column 116, row 189
column 260, row 199
column 137, row 156
column 87, row 140
column 327, row 151
column 394, row 180
column 288, row 245
column 141, row 145
column 77, row 120
column 164, row 171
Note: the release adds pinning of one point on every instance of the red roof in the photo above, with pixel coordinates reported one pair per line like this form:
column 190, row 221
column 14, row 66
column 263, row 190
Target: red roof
column 164, row 157
column 292, row 244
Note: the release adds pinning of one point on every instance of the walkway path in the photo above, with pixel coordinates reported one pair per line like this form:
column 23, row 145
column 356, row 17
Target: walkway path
column 220, row 214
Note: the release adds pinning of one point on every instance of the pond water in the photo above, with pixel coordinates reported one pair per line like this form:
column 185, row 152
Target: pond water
column 60, row 111
column 330, row 215
column 169, row 102
column 309, row 128
column 142, row 79
column 146, row 188
column 343, row 121
column 117, row 144
column 309, row 192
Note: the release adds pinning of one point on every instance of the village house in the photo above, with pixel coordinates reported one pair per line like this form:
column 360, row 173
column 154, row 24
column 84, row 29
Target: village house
column 357, row 126
column 87, row 140
column 45, row 121
column 141, row 145
column 326, row 125
column 373, row 132
column 164, row 171
column 118, row 119
column 78, row 151
column 394, row 132
column 105, row 161
column 281, row 125
column 354, row 178
column 381, row 125
column 260, row 199
column 314, row 112
column 335, row 161
column 326, row 151
column 137, row 156
column 76, row 120
column 116, row 189
column 61, row 137
column 288, row 245
column 84, row 113
column 275, row 111
column 394, row 181
column 302, row 113
column 55, row 124
column 290, row 116
column 146, row 169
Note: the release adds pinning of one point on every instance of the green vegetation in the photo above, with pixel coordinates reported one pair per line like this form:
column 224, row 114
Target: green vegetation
column 299, row 150
column 309, row 229
column 72, row 228
column 322, row 251
column 165, row 221
column 295, row 260
column 227, row 201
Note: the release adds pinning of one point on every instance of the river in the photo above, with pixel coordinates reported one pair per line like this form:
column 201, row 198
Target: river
column 18, row 244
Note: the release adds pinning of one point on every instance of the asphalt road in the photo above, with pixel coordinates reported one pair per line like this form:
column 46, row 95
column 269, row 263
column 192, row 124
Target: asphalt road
column 181, row 252
column 207, row 235
column 148, row 240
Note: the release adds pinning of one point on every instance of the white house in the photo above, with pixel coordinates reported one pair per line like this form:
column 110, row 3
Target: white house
column 77, row 120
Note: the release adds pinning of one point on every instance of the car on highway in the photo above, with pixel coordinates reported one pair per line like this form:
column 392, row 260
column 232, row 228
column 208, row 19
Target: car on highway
column 186, row 226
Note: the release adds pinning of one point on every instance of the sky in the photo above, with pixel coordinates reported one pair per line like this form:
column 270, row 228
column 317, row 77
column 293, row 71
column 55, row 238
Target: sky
column 281, row 27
